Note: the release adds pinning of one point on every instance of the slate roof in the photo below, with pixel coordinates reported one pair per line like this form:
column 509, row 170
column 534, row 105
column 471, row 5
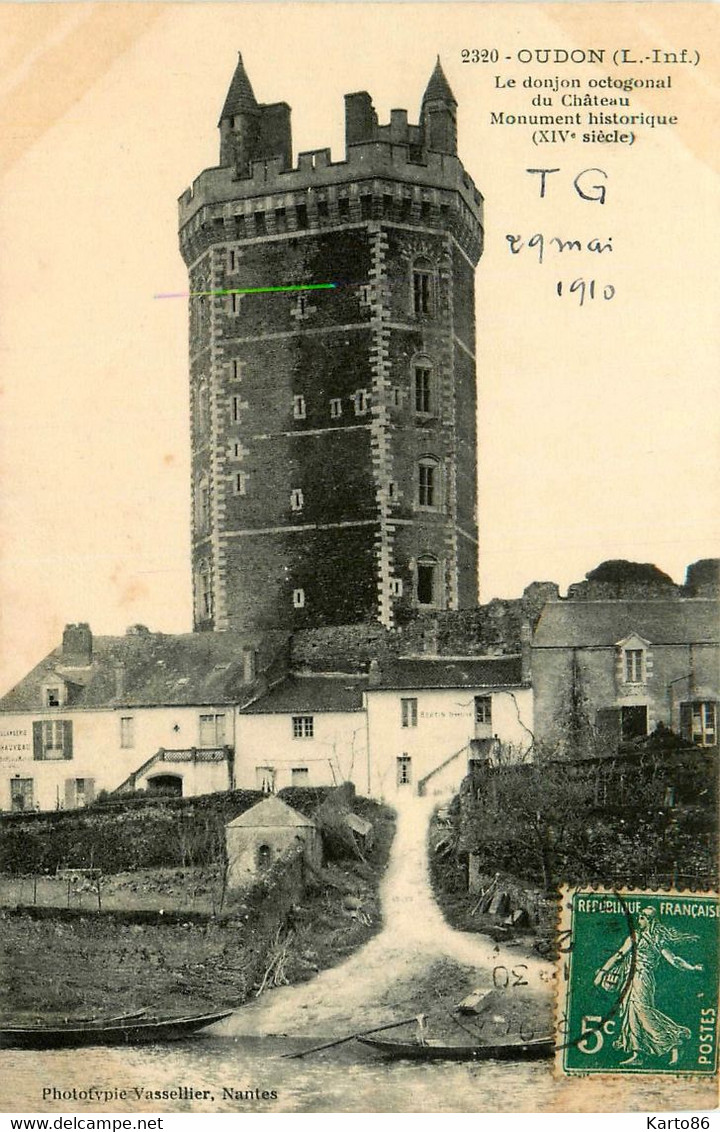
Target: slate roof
column 271, row 811
column 577, row 624
column 440, row 672
column 438, row 86
column 240, row 96
column 311, row 694
column 158, row 669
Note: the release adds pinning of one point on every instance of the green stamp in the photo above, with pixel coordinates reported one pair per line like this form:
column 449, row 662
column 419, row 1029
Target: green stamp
column 639, row 983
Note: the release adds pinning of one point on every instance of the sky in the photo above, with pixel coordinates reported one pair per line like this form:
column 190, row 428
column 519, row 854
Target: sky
column 598, row 424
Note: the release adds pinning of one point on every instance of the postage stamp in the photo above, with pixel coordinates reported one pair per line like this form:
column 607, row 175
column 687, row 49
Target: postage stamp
column 637, row 982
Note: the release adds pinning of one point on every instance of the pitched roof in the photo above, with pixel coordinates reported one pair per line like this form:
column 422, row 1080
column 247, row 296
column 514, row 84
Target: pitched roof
column 445, row 672
column 438, row 88
column 240, row 97
column 311, row 693
column 578, row 624
column 271, row 811
column 156, row 669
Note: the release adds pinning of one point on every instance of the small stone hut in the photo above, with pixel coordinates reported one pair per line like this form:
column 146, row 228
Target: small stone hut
column 255, row 839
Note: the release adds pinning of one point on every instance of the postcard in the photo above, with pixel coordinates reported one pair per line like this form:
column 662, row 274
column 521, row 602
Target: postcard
column 360, row 569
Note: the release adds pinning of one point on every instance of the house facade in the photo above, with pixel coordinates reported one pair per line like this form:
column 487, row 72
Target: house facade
column 306, row 730
column 144, row 711
column 633, row 664
column 431, row 719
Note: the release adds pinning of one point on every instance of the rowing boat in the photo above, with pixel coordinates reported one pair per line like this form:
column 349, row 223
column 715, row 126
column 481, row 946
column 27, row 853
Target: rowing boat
column 440, row 1051
column 131, row 1031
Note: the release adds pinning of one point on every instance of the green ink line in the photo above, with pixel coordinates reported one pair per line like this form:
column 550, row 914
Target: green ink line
column 248, row 291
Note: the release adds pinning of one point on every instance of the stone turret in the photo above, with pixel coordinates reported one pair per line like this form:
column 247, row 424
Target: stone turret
column 438, row 114
column 251, row 132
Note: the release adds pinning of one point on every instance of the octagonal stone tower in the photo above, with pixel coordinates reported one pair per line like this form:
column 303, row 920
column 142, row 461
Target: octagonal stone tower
column 332, row 369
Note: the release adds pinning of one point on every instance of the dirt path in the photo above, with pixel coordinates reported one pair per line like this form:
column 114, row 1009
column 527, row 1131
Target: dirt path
column 412, row 965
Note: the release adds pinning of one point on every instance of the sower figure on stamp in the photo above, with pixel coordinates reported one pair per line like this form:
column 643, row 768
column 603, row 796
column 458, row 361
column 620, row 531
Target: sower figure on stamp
column 643, row 1028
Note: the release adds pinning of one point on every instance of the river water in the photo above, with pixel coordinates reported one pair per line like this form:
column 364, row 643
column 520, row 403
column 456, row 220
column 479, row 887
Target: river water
column 235, row 1062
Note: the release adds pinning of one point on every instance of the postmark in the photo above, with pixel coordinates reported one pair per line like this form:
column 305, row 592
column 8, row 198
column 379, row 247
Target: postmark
column 637, row 982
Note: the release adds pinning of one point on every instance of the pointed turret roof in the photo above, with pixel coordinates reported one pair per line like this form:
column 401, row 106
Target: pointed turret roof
column 438, row 89
column 240, row 97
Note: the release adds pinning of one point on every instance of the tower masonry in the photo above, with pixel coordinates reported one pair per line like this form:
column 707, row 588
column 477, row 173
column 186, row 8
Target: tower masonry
column 334, row 468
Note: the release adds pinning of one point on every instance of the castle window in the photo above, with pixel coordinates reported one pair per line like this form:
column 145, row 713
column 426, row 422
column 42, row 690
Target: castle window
column 344, row 208
column 302, row 217
column 698, row 722
column 335, row 407
column 127, row 731
column 299, row 407
column 322, row 208
column 422, row 289
column 299, row 599
column 396, row 587
column 235, row 298
column 427, row 571
column 634, row 666
column 429, row 483
column 391, row 489
column 237, row 407
column 409, row 712
column 296, row 499
column 423, row 391
column 396, row 397
column 366, row 207
column 303, row 726
column 236, row 369
column 360, row 400
column 260, row 224
column 233, row 260
column 280, row 219
column 240, row 483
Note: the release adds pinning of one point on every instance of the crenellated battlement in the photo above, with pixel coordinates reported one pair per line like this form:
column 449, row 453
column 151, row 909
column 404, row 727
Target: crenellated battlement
column 377, row 180
column 415, row 163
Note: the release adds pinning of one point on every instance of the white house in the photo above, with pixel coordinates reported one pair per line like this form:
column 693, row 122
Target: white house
column 430, row 719
column 147, row 711
column 304, row 731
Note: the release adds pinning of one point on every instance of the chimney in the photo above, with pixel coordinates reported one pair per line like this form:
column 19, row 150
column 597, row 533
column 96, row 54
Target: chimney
column 77, row 646
column 525, row 652
column 249, row 661
column 360, row 118
column 119, row 680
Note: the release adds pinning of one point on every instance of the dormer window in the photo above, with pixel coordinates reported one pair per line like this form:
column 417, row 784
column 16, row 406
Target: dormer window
column 634, row 666
column 54, row 696
column 634, row 663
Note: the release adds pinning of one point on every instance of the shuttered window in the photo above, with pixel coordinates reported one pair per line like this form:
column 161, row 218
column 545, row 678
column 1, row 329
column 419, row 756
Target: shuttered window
column 52, row 739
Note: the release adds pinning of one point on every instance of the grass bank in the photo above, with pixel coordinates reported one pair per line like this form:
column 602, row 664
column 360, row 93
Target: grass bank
column 86, row 962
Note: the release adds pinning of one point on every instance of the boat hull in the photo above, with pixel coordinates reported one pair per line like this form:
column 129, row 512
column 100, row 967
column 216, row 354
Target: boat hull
column 511, row 1051
column 127, row 1033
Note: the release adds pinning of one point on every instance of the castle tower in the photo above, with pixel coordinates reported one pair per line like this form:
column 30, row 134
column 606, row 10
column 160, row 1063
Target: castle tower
column 333, row 428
